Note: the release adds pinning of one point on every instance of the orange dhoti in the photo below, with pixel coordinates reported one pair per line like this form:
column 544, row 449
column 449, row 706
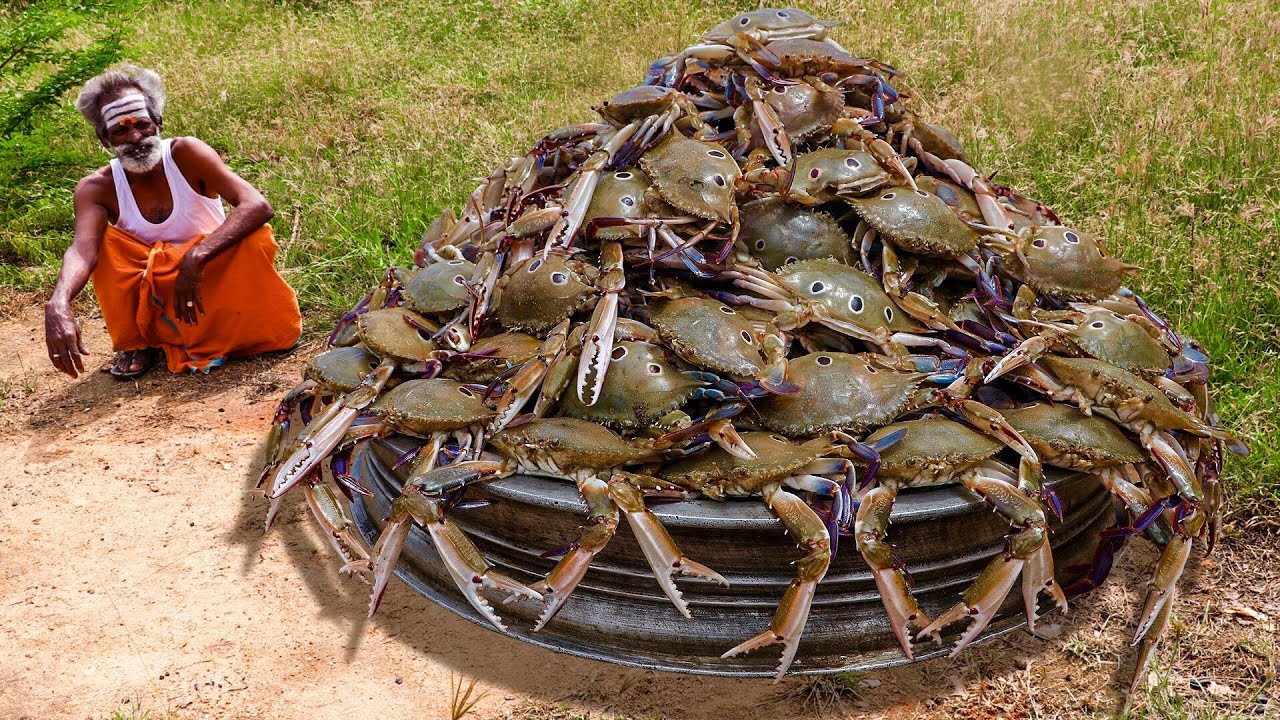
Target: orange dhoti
column 248, row 308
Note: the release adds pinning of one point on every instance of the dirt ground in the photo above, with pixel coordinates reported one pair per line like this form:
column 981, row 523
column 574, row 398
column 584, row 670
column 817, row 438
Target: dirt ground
column 136, row 576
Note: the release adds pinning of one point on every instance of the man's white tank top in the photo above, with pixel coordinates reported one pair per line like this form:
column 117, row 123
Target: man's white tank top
column 193, row 214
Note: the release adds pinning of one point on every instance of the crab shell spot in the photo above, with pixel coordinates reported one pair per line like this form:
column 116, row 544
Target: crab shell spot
column 837, row 390
column 918, row 223
column 728, row 310
column 637, row 390
column 781, row 232
column 703, row 334
column 436, row 289
column 533, row 266
column 619, row 353
column 685, row 175
column 843, row 282
column 817, row 287
column 852, row 162
column 1071, row 237
column 537, row 301
column 624, row 175
column 433, row 405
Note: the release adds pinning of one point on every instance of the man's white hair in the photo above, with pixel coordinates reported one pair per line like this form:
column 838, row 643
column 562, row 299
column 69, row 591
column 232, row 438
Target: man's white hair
column 115, row 82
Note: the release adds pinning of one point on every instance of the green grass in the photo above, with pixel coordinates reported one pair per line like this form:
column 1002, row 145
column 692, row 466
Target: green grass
column 1154, row 125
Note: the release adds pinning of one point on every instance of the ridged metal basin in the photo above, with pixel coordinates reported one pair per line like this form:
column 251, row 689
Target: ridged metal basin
column 618, row 614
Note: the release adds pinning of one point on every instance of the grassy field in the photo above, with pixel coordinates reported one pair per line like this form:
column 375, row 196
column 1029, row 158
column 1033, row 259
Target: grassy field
column 1155, row 126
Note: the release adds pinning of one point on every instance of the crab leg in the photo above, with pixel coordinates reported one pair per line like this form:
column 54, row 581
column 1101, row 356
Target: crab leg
column 575, row 207
column 602, row 516
column 529, row 378
column 1027, row 547
column 793, row 611
column 916, row 305
column 870, row 528
column 336, row 524
column 775, row 137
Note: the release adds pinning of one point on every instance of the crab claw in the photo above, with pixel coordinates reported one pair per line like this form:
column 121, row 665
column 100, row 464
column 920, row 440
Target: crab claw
column 1163, row 584
column 664, row 556
column 1027, row 352
column 1029, row 546
column 895, row 592
column 793, row 611
column 598, row 342
column 981, row 601
column 328, row 431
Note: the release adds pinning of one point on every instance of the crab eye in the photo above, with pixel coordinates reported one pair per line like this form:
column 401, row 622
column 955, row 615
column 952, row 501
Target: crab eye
column 628, row 201
column 654, row 369
column 888, row 314
column 623, row 175
column 715, row 153
column 719, row 180
column 1096, row 325
column 459, row 280
column 759, row 244
column 852, row 162
column 824, row 360
column 466, row 391
column 1039, row 243
column 727, row 310
column 1071, row 237
column 746, row 337
column 855, row 303
column 817, row 287
column 887, row 196
column 559, row 278
column 533, row 266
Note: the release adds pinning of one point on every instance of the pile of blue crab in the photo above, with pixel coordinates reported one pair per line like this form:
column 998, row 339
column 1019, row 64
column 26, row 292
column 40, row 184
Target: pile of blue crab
column 760, row 275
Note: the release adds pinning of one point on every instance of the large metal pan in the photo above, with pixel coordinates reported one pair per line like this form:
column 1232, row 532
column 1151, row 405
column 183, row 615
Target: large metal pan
column 618, row 614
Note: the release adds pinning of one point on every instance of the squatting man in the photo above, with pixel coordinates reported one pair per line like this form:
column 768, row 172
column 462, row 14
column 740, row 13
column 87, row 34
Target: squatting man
column 174, row 274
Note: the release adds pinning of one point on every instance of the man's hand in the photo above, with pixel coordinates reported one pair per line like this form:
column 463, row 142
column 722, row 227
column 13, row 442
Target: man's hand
column 186, row 289
column 62, row 338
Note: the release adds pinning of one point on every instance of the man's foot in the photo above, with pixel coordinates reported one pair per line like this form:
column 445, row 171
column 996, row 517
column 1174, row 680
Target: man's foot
column 134, row 363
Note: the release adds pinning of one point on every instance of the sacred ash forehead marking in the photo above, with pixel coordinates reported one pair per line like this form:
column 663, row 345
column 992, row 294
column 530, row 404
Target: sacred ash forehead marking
column 131, row 104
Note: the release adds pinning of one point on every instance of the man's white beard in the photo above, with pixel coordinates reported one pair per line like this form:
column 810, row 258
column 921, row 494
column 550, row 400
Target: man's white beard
column 140, row 157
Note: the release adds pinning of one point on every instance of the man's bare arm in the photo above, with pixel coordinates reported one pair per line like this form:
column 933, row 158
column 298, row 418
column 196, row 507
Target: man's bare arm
column 61, row 333
column 201, row 162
